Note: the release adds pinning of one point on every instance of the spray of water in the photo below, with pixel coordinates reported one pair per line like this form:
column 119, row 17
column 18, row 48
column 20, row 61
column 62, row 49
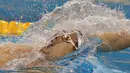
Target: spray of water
column 82, row 15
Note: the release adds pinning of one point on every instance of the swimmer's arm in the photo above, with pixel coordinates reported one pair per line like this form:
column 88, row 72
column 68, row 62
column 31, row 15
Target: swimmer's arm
column 11, row 51
column 114, row 41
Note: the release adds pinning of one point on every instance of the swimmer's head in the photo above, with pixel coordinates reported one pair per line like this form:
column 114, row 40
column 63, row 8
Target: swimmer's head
column 59, row 39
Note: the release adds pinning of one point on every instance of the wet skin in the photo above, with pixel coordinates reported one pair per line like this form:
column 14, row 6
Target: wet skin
column 111, row 42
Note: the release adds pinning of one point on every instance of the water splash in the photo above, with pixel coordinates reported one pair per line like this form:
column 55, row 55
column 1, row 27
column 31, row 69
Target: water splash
column 82, row 15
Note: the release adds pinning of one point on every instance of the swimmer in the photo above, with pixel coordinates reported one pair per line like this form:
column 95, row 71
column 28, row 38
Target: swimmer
column 64, row 44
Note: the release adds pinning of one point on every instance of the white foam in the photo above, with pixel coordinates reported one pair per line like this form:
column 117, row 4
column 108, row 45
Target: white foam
column 82, row 15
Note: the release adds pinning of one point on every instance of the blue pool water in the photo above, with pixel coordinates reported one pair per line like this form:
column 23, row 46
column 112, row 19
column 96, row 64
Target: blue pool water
column 26, row 10
column 118, row 60
column 31, row 10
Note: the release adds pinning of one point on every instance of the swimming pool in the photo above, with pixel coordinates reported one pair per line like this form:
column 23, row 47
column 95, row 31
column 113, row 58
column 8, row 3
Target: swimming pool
column 114, row 62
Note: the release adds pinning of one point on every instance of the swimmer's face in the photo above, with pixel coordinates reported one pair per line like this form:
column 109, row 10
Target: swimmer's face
column 59, row 43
